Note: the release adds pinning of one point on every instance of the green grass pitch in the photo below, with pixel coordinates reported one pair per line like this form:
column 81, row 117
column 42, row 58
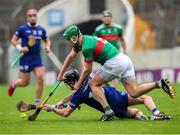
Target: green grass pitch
column 84, row 121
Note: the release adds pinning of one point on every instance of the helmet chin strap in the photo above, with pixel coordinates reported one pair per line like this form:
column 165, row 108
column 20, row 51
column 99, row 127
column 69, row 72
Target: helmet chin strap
column 76, row 44
column 78, row 41
column 74, row 39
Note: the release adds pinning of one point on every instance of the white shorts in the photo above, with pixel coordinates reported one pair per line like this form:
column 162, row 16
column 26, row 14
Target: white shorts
column 118, row 67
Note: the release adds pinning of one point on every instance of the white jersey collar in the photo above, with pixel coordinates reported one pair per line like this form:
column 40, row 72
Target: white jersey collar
column 31, row 25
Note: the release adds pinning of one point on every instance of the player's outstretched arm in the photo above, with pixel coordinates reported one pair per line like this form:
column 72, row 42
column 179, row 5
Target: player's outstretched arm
column 65, row 100
column 22, row 106
column 62, row 112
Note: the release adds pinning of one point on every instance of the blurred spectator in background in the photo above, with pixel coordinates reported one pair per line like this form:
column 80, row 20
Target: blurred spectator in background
column 111, row 32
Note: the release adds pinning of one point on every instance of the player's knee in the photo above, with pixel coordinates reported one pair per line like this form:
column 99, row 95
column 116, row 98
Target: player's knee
column 132, row 91
column 132, row 112
column 93, row 85
column 147, row 98
column 40, row 79
column 133, row 94
column 25, row 82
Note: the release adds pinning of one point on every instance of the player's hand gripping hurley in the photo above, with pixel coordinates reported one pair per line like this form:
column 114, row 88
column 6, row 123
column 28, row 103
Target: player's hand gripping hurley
column 33, row 116
column 31, row 42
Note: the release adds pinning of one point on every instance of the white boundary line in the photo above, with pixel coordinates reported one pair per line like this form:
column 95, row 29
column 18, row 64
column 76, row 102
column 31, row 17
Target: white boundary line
column 93, row 134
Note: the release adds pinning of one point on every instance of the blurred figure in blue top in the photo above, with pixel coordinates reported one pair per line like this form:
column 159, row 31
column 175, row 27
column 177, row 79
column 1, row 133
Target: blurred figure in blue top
column 118, row 101
column 30, row 36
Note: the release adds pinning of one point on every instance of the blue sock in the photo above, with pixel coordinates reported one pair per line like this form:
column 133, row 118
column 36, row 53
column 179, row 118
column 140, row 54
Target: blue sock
column 37, row 100
column 155, row 111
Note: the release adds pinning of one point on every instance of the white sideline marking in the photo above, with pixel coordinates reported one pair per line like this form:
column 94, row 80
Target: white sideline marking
column 93, row 134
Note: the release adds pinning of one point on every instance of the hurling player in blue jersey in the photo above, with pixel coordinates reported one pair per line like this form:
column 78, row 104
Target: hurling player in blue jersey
column 31, row 60
column 118, row 101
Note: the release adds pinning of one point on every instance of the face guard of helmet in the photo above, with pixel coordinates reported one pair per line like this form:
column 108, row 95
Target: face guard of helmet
column 70, row 77
column 72, row 33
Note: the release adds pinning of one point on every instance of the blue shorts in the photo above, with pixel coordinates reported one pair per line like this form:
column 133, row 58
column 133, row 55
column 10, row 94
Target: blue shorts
column 28, row 63
column 120, row 108
column 118, row 100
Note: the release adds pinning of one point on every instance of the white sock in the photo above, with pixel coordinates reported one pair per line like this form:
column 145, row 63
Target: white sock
column 159, row 84
column 108, row 112
column 156, row 112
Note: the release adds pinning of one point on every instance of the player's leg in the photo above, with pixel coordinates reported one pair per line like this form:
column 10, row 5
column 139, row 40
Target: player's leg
column 39, row 74
column 146, row 100
column 136, row 113
column 149, row 104
column 136, row 91
column 95, row 85
column 100, row 78
column 129, row 82
column 104, row 75
column 24, row 78
column 128, row 79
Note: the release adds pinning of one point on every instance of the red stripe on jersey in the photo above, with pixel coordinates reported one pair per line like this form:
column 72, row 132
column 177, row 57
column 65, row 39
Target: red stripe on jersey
column 88, row 61
column 98, row 49
column 111, row 37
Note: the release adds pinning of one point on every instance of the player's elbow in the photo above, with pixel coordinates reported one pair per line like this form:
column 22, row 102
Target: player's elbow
column 133, row 94
column 14, row 40
column 65, row 114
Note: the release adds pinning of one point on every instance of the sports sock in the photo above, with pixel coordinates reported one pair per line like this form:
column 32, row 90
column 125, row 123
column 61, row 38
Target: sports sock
column 108, row 110
column 37, row 100
column 159, row 84
column 155, row 111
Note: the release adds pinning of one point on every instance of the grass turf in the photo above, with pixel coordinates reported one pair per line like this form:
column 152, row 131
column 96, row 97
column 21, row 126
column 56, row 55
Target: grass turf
column 84, row 121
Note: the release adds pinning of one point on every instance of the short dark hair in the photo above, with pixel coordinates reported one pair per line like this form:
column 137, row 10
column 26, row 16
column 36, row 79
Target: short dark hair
column 107, row 13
